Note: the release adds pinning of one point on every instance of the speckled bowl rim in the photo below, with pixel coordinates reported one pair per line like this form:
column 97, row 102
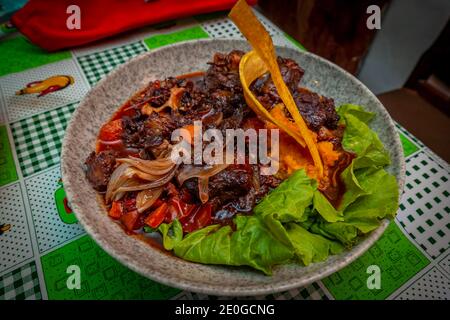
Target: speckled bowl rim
column 250, row 290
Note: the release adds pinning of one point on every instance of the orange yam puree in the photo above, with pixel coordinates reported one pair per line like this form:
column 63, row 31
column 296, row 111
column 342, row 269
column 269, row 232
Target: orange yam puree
column 294, row 157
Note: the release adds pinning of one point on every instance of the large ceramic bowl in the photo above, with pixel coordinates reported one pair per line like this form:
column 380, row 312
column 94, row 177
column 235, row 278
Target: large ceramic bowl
column 100, row 103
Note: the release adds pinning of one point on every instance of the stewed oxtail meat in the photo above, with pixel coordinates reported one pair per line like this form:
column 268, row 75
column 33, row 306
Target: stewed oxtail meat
column 140, row 132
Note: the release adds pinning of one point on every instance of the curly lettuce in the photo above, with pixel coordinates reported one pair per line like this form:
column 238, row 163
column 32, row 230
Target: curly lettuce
column 295, row 222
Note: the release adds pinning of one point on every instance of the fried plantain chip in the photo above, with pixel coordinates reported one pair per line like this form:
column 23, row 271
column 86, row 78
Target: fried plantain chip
column 260, row 40
column 252, row 67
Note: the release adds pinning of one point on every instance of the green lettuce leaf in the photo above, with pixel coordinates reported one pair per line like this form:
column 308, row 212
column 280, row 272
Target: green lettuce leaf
column 290, row 199
column 356, row 111
column 252, row 244
column 360, row 139
column 325, row 208
column 341, row 231
column 381, row 200
column 310, row 247
column 172, row 234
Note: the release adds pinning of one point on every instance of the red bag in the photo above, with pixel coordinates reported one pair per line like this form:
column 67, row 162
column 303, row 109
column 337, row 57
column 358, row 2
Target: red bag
column 45, row 22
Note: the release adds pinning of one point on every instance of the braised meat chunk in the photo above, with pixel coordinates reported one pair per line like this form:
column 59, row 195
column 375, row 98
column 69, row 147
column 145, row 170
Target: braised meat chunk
column 99, row 167
column 224, row 72
column 318, row 111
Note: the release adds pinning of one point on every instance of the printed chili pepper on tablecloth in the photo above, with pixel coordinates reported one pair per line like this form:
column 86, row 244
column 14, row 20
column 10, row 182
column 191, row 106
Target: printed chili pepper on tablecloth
column 44, row 87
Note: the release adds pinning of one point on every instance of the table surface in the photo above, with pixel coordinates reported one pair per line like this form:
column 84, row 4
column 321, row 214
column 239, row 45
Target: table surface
column 44, row 237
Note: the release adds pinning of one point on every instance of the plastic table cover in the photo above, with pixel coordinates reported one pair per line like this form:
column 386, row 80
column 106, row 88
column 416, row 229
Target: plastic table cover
column 44, row 237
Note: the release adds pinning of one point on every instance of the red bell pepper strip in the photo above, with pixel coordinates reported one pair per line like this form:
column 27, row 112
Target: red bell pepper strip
column 201, row 217
column 116, row 210
column 155, row 218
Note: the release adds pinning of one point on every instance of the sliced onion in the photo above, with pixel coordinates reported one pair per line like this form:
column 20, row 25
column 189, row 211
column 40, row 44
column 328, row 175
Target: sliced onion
column 129, row 174
column 190, row 171
column 146, row 198
column 154, row 184
column 116, row 195
column 203, row 189
column 120, row 175
column 153, row 167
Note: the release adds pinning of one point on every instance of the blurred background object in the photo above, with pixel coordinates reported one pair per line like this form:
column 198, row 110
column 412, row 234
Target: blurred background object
column 333, row 29
column 8, row 7
column 406, row 63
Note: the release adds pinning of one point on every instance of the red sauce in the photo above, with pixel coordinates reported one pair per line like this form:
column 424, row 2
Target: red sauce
column 336, row 189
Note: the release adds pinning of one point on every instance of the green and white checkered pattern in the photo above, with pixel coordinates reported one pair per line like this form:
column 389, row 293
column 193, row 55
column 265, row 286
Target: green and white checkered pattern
column 311, row 292
column 21, row 284
column 97, row 65
column 38, row 138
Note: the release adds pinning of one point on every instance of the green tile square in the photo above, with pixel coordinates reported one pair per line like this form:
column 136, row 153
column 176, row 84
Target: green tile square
column 429, row 222
column 423, row 162
column 433, row 170
column 108, row 280
column 437, row 200
column 409, row 185
column 419, row 195
column 427, row 190
column 441, row 233
column 390, row 255
column 446, row 193
column 428, row 205
column 425, row 175
column 438, row 216
column 18, row 54
column 417, row 181
column 435, row 184
column 431, row 240
column 419, row 211
column 415, row 167
column 420, row 229
column 444, row 179
column 410, row 218
column 161, row 40
column 410, row 201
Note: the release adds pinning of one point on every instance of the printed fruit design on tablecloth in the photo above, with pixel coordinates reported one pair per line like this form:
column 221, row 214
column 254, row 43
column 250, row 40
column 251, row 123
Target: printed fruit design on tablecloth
column 44, row 87
column 62, row 205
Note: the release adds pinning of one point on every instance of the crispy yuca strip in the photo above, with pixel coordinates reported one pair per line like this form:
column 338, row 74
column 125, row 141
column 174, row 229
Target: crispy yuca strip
column 252, row 67
column 260, row 40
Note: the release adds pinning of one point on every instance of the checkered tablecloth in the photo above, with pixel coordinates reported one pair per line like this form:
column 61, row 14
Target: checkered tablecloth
column 44, row 239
